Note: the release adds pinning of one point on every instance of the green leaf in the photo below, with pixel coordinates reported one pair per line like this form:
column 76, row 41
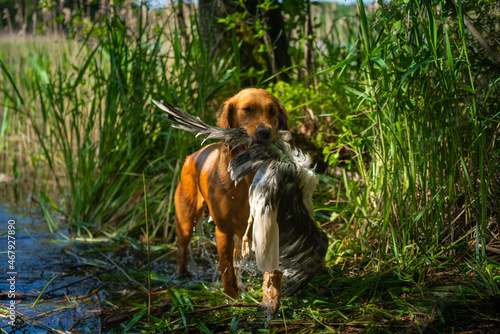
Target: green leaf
column 47, row 200
column 4, row 69
column 134, row 320
column 339, row 65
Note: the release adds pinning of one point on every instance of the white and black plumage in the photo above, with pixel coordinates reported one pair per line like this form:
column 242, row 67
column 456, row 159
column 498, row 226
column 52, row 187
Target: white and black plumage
column 285, row 236
column 282, row 187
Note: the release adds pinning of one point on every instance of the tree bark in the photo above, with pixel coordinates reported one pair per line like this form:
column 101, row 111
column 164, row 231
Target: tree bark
column 475, row 33
column 310, row 62
column 215, row 36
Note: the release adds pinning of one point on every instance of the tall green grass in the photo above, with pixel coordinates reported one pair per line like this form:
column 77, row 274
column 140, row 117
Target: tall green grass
column 431, row 143
column 90, row 119
column 422, row 145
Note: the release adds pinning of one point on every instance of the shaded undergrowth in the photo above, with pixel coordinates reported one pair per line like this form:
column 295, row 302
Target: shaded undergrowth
column 348, row 297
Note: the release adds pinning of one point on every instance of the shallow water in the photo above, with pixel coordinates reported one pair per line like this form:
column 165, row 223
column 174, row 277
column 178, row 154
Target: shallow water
column 59, row 279
column 37, row 261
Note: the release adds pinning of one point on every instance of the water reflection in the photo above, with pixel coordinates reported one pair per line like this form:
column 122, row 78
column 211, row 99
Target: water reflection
column 37, row 261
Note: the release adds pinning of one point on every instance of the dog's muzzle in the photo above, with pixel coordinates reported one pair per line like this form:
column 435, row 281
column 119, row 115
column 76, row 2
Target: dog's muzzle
column 264, row 134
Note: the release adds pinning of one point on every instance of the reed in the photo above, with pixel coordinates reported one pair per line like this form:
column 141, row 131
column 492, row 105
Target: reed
column 84, row 109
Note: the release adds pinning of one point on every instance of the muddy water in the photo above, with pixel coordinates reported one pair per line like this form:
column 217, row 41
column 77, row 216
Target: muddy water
column 37, row 261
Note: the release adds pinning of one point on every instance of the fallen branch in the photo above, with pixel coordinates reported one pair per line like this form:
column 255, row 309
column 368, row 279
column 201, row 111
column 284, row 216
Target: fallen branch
column 475, row 33
column 213, row 308
column 79, row 281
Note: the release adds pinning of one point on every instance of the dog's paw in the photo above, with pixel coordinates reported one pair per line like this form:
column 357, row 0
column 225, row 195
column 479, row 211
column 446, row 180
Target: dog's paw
column 271, row 292
column 270, row 307
column 184, row 275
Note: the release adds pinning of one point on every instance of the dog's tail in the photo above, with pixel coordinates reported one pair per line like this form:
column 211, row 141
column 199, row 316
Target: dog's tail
column 233, row 137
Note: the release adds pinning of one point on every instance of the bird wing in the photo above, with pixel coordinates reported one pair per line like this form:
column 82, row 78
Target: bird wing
column 232, row 137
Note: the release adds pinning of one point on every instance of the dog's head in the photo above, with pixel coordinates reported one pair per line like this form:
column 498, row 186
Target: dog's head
column 257, row 111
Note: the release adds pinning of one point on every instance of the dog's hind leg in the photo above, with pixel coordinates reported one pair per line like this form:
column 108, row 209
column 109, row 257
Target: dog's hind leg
column 189, row 209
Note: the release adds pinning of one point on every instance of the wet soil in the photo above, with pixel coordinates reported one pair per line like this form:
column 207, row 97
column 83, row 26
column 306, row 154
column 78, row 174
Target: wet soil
column 56, row 284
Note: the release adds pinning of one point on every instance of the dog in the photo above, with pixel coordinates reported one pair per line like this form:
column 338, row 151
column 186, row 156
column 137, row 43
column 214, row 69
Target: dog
column 205, row 181
column 253, row 171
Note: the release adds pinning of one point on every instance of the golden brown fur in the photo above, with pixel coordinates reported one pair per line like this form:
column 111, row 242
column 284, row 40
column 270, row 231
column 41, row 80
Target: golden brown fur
column 205, row 182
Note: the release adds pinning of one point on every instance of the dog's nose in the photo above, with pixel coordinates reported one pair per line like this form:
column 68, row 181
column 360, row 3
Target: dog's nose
column 264, row 134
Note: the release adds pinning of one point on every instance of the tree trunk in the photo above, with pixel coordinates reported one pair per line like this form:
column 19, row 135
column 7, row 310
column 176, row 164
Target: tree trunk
column 216, row 38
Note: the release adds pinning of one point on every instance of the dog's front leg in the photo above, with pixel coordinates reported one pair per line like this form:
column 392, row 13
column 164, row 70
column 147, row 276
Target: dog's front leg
column 225, row 248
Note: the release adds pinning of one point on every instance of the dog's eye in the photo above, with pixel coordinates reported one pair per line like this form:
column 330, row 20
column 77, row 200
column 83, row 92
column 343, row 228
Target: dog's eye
column 247, row 109
column 272, row 111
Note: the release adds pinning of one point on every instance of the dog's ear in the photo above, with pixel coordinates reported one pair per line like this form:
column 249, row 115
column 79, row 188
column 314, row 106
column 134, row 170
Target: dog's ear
column 227, row 115
column 282, row 118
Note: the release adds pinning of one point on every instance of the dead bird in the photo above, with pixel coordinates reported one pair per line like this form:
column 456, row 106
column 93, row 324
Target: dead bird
column 286, row 239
